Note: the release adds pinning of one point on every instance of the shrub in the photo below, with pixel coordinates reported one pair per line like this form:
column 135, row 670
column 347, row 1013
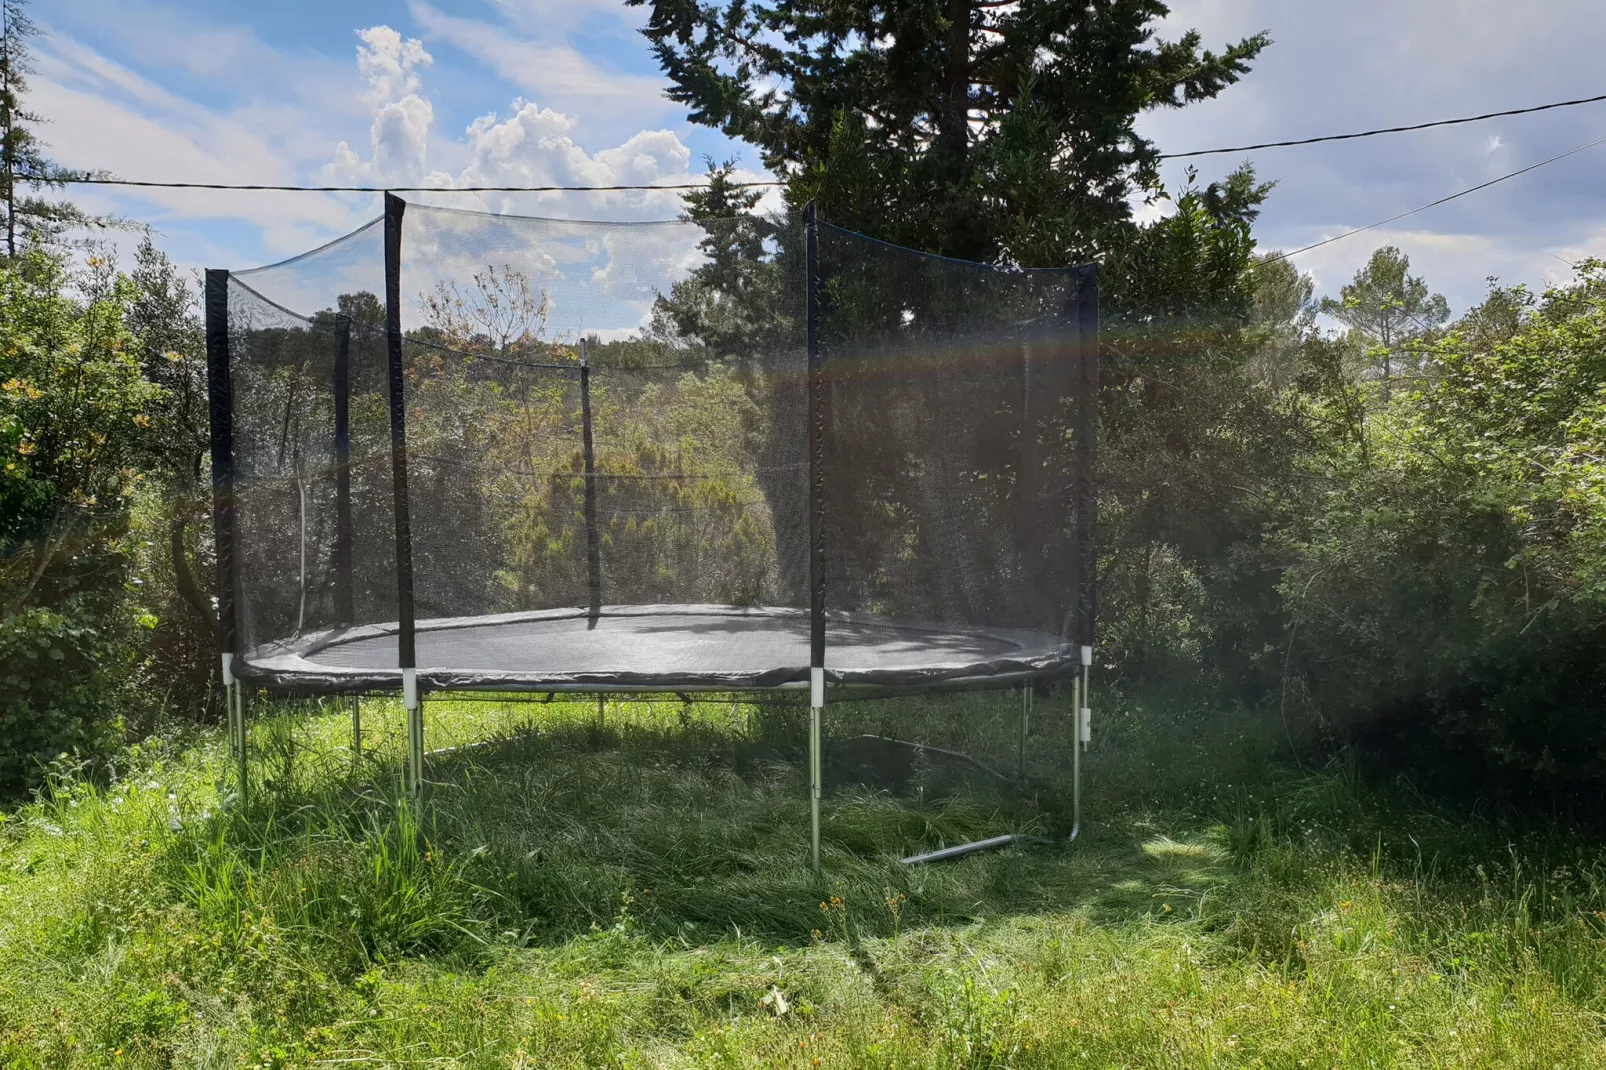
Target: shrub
column 65, row 677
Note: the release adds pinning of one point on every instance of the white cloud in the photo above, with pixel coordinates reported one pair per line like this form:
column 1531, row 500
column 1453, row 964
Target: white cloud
column 544, row 16
column 390, row 64
column 550, row 70
column 105, row 115
column 533, row 145
column 211, row 103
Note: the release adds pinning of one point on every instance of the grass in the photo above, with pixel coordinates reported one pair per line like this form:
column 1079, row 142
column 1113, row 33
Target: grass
column 628, row 887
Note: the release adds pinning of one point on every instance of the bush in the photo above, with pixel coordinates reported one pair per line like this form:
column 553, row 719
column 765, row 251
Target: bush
column 1449, row 590
column 65, row 677
column 75, row 426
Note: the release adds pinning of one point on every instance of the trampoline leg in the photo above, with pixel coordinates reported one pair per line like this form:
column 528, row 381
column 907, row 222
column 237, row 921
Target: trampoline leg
column 242, row 773
column 1078, row 693
column 356, row 731
column 415, row 732
column 234, row 706
column 241, row 750
column 1025, row 726
column 816, row 767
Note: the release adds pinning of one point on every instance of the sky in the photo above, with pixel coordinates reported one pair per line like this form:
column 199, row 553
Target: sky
column 523, row 92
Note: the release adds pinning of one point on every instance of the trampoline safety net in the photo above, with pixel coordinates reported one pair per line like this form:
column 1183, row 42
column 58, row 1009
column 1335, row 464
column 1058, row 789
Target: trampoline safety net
column 544, row 454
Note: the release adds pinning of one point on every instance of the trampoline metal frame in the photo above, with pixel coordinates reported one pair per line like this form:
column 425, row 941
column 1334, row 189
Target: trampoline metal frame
column 1081, row 566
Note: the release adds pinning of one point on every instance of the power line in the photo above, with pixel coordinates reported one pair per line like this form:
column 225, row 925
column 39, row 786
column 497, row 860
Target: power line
column 1432, row 204
column 99, row 180
column 1386, row 129
column 390, row 189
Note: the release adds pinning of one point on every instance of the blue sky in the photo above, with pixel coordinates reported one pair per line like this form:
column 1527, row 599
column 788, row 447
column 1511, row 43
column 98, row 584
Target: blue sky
column 565, row 91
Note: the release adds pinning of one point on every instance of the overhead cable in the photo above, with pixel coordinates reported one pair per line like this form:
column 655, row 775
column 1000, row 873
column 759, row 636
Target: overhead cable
column 1431, row 204
column 391, row 189
column 103, row 181
column 1385, row 130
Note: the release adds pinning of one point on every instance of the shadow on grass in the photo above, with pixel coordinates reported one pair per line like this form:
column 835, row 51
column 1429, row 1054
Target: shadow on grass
column 686, row 830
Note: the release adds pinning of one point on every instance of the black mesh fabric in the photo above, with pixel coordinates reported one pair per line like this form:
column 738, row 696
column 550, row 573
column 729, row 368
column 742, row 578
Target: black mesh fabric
column 948, row 490
column 682, row 349
column 298, row 572
column 697, row 453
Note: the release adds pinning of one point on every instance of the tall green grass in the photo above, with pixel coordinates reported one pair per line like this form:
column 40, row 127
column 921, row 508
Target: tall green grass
column 629, row 887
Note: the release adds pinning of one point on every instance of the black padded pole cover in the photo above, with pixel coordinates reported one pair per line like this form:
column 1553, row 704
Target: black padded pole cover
column 1087, row 419
column 593, row 539
column 818, row 417
column 406, row 656
column 344, row 610
column 220, row 409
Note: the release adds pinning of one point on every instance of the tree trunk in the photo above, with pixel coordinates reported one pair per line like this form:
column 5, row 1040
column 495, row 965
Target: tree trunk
column 184, row 580
column 953, row 125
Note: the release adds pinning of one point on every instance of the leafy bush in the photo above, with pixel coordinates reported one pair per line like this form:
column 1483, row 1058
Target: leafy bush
column 64, row 677
column 74, row 414
column 1452, row 587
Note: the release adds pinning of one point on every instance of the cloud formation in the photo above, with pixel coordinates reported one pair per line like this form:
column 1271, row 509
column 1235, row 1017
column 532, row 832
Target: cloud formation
column 390, row 64
column 533, row 145
column 547, row 68
column 399, row 134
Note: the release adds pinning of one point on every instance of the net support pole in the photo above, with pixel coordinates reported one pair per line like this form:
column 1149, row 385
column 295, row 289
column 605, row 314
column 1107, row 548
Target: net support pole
column 406, row 655
column 220, row 411
column 1086, row 519
column 344, row 609
column 589, row 453
column 817, row 421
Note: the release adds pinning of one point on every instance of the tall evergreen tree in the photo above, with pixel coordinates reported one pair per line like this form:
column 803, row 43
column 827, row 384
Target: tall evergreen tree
column 975, row 128
column 1388, row 309
column 25, row 171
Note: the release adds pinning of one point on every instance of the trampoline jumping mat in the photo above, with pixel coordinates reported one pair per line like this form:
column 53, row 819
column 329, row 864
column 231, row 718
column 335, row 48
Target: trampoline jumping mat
column 669, row 648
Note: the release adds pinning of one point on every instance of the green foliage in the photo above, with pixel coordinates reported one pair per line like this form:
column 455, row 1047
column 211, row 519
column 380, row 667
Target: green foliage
column 25, row 170
column 65, row 676
column 1388, row 310
column 680, row 518
column 1197, row 448
column 981, row 131
column 75, row 419
column 172, row 514
column 679, row 533
column 1452, row 582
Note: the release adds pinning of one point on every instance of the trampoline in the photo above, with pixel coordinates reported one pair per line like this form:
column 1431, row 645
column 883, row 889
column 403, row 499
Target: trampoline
column 741, row 455
column 660, row 648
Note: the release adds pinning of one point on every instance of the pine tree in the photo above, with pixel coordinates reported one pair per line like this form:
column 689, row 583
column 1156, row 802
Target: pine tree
column 1388, row 309
column 981, row 129
column 24, row 168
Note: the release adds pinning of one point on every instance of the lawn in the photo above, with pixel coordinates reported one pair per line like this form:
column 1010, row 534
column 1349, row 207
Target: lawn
column 627, row 886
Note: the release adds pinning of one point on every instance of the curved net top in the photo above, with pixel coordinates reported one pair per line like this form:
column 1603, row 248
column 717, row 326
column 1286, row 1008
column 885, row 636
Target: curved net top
column 613, row 423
